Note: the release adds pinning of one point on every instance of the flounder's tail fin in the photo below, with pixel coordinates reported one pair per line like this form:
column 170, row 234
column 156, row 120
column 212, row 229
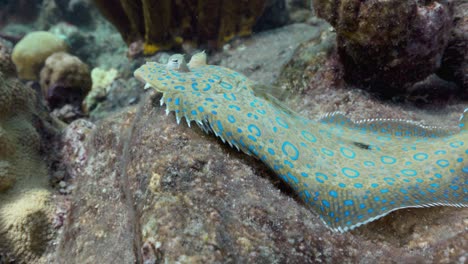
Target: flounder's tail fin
column 438, row 177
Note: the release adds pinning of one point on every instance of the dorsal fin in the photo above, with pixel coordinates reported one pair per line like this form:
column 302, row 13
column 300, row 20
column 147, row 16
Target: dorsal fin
column 265, row 92
column 395, row 127
column 336, row 118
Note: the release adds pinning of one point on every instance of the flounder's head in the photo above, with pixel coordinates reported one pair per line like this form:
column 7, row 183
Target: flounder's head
column 196, row 76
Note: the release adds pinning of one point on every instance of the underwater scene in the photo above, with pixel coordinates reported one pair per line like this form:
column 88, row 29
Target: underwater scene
column 261, row 131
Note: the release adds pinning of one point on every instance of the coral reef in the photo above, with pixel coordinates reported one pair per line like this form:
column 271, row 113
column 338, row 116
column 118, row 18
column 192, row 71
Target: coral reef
column 165, row 24
column 64, row 79
column 101, row 79
column 30, row 53
column 25, row 224
column 388, row 45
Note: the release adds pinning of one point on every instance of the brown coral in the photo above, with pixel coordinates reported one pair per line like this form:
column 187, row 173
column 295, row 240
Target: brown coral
column 64, row 79
column 164, row 24
column 388, row 45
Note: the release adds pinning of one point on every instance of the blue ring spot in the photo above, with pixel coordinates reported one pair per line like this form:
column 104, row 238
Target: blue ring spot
column 326, row 203
column 389, row 180
column 281, row 122
column 254, row 127
column 271, row 151
column 225, row 85
column 195, row 87
column 292, row 177
column 220, row 126
column 348, row 153
column 179, row 87
column 287, row 162
column 231, row 119
column 369, row 163
column 409, row 172
column 327, row 152
column 252, row 138
column 456, row 144
column 229, row 97
column 420, row 156
column 293, row 156
column 234, row 107
column 177, row 101
column 308, row 136
column 333, row 194
column 388, row 160
column 350, row 173
column 320, row 177
column 443, row 163
column 348, row 202
column 358, row 185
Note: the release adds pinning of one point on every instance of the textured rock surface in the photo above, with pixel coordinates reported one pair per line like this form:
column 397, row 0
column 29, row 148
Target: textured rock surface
column 149, row 189
column 380, row 42
column 25, row 210
column 263, row 67
column 455, row 61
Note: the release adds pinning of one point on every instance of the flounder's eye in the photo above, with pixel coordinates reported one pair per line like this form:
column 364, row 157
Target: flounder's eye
column 175, row 60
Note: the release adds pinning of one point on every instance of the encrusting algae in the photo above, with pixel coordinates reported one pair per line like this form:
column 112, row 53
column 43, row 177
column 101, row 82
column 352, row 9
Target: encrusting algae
column 348, row 172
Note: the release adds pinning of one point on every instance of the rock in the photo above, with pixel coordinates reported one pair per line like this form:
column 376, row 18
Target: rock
column 455, row 60
column 264, row 66
column 388, row 45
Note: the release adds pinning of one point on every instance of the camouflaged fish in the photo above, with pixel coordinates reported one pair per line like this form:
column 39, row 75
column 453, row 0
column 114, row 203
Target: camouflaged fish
column 350, row 173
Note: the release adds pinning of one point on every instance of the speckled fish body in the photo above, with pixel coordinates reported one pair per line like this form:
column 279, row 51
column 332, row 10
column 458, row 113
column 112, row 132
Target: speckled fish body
column 350, row 173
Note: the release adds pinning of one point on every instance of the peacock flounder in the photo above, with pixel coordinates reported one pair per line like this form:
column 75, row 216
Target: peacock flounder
column 350, row 173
